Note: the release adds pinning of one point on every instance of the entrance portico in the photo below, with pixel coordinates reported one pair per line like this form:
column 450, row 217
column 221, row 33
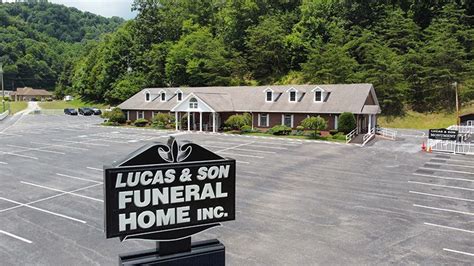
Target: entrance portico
column 192, row 108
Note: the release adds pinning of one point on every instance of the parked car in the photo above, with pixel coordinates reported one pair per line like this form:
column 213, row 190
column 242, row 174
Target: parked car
column 86, row 111
column 96, row 111
column 70, row 111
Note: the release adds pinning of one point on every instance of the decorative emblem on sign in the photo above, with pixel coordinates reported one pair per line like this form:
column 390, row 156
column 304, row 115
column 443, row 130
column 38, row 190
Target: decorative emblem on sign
column 174, row 153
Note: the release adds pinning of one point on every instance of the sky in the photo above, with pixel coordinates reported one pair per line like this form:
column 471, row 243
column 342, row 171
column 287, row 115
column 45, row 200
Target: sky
column 106, row 8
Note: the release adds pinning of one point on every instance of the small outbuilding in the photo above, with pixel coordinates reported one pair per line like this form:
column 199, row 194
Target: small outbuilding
column 30, row 94
column 465, row 118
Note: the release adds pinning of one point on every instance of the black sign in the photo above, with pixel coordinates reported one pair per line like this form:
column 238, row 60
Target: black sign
column 443, row 134
column 166, row 192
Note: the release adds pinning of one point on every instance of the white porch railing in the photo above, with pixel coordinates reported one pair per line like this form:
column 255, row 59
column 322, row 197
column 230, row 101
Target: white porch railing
column 368, row 136
column 387, row 133
column 470, row 123
column 351, row 135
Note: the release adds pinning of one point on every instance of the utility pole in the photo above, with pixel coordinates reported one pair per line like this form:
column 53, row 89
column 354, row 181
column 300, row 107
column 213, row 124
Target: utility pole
column 3, row 89
column 455, row 84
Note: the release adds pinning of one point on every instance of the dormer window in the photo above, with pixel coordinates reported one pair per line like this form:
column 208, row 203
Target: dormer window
column 147, row 96
column 193, row 103
column 293, row 95
column 318, row 94
column 179, row 96
column 163, row 97
column 269, row 97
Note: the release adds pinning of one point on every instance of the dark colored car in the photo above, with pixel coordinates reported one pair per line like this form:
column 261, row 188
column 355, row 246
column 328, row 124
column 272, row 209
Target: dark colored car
column 86, row 111
column 96, row 111
column 70, row 111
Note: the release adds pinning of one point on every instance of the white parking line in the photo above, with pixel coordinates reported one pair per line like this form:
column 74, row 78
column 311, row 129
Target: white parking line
column 34, row 149
column 93, row 168
column 42, row 210
column 3, row 163
column 78, row 178
column 62, row 191
column 445, row 170
column 459, row 252
column 436, row 185
column 445, row 177
column 440, row 196
column 59, row 145
column 454, row 160
column 451, row 228
column 243, row 155
column 448, row 164
column 236, row 146
column 19, row 155
column 47, row 198
column 253, row 145
column 441, row 209
column 16, row 237
column 81, row 142
column 240, row 149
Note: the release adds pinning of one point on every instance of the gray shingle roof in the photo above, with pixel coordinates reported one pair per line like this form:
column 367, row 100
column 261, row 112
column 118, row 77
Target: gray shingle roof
column 339, row 98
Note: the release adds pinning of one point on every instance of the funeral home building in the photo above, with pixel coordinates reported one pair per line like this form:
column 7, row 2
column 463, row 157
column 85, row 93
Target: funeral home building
column 209, row 107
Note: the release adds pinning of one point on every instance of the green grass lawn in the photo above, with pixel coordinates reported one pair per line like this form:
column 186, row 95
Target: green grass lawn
column 423, row 121
column 76, row 103
column 16, row 107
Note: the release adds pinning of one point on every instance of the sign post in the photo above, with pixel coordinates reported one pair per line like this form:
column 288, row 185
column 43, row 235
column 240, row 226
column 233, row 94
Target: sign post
column 167, row 193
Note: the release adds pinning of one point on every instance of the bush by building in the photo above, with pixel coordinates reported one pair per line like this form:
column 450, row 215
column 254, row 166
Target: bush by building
column 347, row 122
column 315, row 123
column 280, row 130
column 114, row 116
column 141, row 122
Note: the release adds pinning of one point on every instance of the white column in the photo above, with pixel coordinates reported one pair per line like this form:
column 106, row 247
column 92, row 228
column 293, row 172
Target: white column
column 370, row 123
column 252, row 121
column 189, row 121
column 335, row 122
column 214, row 122
column 200, row 121
column 176, row 120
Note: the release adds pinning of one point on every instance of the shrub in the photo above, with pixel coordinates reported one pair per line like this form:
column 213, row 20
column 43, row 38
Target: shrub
column 280, row 130
column 246, row 129
column 314, row 123
column 141, row 122
column 347, row 122
column 333, row 131
column 339, row 136
column 114, row 116
column 238, row 121
column 162, row 120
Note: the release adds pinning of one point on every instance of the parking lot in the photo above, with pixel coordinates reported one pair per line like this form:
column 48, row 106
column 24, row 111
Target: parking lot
column 298, row 202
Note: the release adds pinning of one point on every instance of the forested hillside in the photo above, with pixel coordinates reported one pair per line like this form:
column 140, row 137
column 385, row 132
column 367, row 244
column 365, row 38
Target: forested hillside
column 411, row 50
column 40, row 42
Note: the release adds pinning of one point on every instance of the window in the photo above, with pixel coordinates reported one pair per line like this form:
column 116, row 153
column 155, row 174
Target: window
column 147, row 97
column 128, row 115
column 318, row 96
column 193, row 103
column 292, row 96
column 163, row 97
column 263, row 120
column 287, row 120
column 269, row 96
column 140, row 114
column 179, row 96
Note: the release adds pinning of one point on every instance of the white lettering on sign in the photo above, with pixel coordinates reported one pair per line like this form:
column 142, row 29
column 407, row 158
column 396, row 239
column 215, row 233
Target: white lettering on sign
column 145, row 197
column 148, row 219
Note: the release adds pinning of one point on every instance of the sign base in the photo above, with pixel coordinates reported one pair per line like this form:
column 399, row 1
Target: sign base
column 208, row 252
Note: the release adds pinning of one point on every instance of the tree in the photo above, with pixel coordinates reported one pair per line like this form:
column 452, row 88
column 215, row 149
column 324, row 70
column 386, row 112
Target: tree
column 198, row 59
column 316, row 123
column 347, row 122
column 267, row 52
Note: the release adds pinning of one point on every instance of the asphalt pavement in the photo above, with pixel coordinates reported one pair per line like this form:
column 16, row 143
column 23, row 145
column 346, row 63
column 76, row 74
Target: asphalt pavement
column 298, row 202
